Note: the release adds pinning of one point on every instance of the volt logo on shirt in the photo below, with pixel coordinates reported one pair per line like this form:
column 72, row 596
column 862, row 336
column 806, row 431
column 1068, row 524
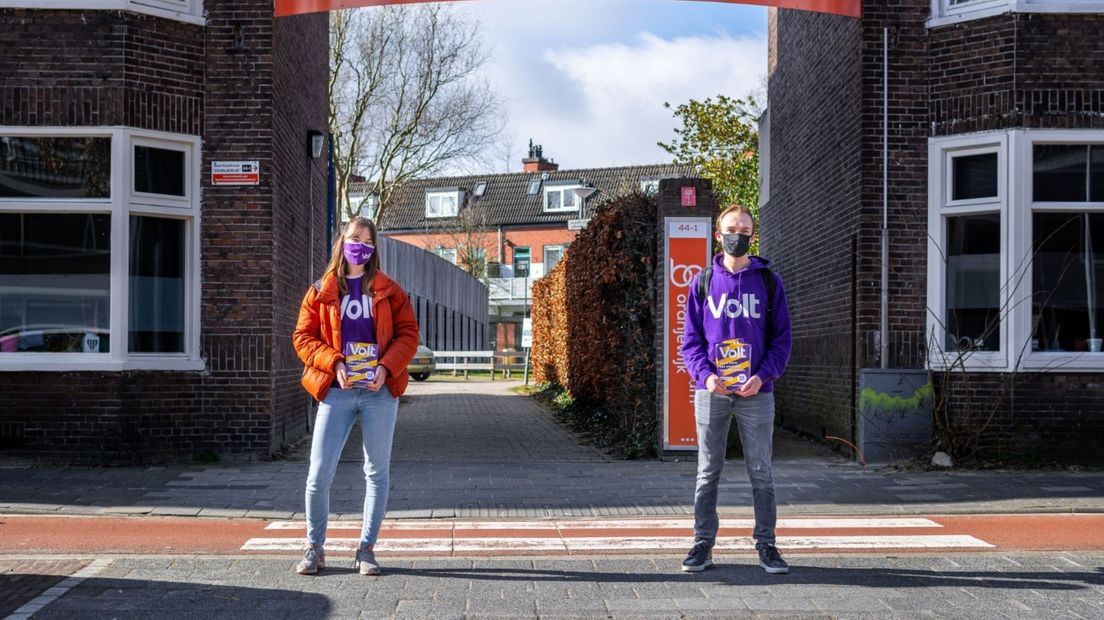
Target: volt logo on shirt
column 356, row 308
column 746, row 306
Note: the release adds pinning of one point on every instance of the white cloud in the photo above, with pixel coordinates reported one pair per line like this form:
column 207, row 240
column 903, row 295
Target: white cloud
column 609, row 110
column 587, row 79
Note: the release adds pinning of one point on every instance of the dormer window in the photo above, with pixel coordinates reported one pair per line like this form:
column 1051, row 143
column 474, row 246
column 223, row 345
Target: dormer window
column 443, row 202
column 560, row 198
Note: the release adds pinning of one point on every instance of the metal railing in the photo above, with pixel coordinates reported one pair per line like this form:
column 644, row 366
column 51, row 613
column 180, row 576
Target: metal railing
column 488, row 361
column 500, row 289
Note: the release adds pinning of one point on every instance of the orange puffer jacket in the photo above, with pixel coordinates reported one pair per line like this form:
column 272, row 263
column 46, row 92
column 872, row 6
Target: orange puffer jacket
column 317, row 336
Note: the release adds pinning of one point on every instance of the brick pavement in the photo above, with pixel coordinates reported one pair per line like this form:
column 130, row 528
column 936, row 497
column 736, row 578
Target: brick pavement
column 864, row 586
column 485, row 452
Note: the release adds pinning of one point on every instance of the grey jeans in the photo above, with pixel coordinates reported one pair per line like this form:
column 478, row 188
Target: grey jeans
column 755, row 420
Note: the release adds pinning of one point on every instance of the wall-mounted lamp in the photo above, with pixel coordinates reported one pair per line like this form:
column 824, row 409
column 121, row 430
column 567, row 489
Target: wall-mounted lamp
column 315, row 142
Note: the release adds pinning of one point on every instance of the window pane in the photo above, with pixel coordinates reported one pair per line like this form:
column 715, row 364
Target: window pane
column 55, row 284
column 1096, row 174
column 156, row 285
column 973, row 283
column 158, row 171
column 568, row 199
column 552, row 256
column 975, row 176
column 1068, row 278
column 1059, row 172
column 521, row 262
column 55, row 167
column 553, row 199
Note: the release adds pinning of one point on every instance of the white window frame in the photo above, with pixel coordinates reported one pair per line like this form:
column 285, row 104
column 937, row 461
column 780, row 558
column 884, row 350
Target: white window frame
column 456, row 195
column 544, row 254
column 188, row 11
column 941, row 152
column 121, row 205
column 1015, row 189
column 1024, row 144
column 448, row 254
column 561, row 189
column 943, row 13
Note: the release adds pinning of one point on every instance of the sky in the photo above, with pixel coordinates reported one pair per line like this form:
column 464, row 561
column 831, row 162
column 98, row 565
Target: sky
column 587, row 79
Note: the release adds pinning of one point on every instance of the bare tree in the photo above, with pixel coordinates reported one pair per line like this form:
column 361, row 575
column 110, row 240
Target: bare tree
column 469, row 234
column 406, row 96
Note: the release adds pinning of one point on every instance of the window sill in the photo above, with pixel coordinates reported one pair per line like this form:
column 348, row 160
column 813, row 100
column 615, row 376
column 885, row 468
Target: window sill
column 31, row 362
column 1064, row 361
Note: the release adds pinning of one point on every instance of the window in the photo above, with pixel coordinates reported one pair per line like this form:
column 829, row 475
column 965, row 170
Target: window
column 946, row 12
column 534, row 187
column 649, row 186
column 552, row 255
column 521, row 261
column 1067, row 247
column 55, row 167
column 1014, row 280
column 448, row 254
column 966, row 254
column 561, row 198
column 99, row 260
column 443, row 203
column 190, row 11
column 480, row 189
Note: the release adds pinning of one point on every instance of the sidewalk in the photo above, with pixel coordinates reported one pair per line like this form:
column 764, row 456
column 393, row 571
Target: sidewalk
column 474, row 450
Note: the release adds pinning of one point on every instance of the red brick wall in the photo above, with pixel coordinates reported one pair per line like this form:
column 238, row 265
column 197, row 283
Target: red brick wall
column 300, row 105
column 78, row 68
column 814, row 214
column 1006, row 71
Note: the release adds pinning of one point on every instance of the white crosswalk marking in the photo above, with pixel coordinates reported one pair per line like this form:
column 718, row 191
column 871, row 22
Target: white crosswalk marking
column 567, row 536
column 634, row 543
column 811, row 523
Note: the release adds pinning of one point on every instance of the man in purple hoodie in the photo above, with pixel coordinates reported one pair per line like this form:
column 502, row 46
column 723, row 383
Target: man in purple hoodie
column 737, row 343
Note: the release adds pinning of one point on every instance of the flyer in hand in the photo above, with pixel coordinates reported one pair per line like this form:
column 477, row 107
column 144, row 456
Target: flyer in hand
column 734, row 363
column 361, row 360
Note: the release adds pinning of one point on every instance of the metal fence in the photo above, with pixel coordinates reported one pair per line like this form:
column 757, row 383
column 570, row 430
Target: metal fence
column 450, row 304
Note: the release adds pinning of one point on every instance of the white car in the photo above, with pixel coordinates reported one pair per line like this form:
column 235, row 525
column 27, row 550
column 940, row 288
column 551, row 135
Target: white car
column 423, row 364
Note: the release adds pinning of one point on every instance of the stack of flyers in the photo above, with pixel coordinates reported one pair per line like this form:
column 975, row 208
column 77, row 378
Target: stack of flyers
column 734, row 363
column 361, row 359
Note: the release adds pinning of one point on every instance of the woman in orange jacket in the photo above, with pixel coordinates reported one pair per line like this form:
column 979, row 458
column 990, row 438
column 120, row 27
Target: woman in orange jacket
column 356, row 334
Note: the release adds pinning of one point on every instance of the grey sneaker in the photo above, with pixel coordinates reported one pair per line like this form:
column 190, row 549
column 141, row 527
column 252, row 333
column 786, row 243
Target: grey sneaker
column 365, row 561
column 314, row 558
column 699, row 558
column 771, row 560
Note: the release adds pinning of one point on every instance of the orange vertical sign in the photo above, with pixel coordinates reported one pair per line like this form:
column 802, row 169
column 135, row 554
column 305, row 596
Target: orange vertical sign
column 686, row 245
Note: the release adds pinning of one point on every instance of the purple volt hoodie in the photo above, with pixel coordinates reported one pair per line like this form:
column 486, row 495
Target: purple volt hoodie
column 736, row 307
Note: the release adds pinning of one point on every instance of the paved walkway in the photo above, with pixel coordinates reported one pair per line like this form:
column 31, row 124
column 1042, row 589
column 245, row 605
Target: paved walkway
column 950, row 585
column 481, row 451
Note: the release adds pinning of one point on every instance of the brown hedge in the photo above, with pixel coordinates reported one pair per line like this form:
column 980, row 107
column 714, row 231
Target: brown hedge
column 594, row 325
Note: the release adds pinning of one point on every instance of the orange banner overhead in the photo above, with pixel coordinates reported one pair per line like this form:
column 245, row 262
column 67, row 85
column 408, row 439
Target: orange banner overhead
column 850, row 8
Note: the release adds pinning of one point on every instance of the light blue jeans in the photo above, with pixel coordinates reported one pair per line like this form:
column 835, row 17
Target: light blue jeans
column 336, row 414
column 755, row 419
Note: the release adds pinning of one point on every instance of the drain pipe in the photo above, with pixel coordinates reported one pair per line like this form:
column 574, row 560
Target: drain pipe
column 884, row 335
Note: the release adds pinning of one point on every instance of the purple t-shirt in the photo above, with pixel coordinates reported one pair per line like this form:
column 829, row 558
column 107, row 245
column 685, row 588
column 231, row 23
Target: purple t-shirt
column 358, row 333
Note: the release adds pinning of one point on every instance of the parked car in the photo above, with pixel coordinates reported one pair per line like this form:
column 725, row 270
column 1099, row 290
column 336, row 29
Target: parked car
column 423, row 364
column 54, row 338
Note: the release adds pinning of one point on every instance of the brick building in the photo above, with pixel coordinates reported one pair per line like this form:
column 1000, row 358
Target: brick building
column 510, row 228
column 146, row 314
column 995, row 201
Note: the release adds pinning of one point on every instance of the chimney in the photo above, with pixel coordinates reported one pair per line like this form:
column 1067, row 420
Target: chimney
column 536, row 161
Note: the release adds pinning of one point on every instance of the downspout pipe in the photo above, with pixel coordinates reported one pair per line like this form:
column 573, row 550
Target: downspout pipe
column 884, row 334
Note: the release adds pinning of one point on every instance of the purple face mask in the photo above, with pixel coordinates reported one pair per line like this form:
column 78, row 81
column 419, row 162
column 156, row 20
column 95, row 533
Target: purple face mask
column 358, row 253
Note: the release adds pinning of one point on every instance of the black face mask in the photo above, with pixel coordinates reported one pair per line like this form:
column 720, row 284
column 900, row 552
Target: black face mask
column 736, row 244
